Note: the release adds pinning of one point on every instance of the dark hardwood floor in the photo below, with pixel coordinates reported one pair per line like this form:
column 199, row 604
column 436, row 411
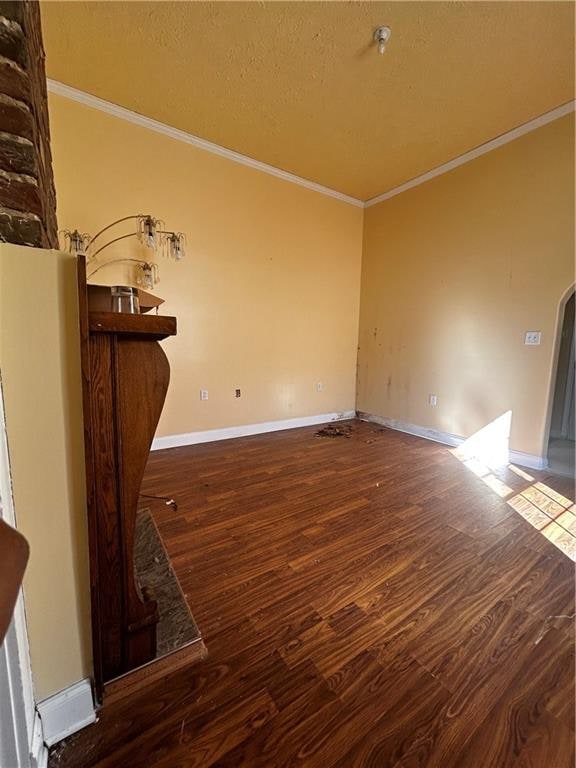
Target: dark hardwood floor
column 368, row 601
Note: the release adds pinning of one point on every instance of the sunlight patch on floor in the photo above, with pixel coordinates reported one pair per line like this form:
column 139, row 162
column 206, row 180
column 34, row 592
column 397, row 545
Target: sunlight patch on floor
column 488, row 445
column 551, row 513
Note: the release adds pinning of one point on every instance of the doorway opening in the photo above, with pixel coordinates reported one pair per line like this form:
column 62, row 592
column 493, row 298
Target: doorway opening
column 562, row 432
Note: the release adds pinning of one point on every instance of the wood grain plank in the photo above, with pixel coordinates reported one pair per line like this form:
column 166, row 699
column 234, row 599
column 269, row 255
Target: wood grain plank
column 365, row 602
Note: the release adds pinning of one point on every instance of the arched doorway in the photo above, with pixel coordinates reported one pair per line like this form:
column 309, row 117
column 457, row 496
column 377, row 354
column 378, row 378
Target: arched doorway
column 562, row 432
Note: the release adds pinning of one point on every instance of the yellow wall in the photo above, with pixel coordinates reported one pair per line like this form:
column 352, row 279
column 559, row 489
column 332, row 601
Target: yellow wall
column 267, row 299
column 454, row 272
column 40, row 369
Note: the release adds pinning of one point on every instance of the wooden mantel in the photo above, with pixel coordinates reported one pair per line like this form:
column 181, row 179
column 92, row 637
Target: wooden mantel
column 152, row 327
column 125, row 380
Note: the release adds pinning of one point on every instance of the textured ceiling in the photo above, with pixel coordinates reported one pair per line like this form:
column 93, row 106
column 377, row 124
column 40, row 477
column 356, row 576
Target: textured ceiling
column 300, row 85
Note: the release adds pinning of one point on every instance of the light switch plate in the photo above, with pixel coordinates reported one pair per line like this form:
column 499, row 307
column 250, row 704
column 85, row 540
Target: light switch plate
column 532, row 338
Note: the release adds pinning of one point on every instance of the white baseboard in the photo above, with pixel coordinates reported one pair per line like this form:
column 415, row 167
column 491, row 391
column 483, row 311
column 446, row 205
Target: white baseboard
column 211, row 435
column 67, row 712
column 413, row 429
column 528, row 460
column 38, row 749
column 446, row 438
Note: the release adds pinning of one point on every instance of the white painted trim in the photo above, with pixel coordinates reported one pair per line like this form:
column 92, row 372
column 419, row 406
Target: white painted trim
column 528, row 460
column 67, row 712
column 21, row 742
column 15, row 734
column 74, row 94
column 94, row 102
column 446, row 438
column 499, row 141
column 413, row 429
column 211, row 435
column 38, row 749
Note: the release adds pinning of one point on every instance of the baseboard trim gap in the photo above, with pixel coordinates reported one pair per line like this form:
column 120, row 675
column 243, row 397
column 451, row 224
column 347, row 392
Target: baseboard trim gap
column 245, row 430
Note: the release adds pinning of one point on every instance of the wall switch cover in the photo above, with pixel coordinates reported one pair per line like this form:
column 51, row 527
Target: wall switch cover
column 203, row 394
column 532, row 338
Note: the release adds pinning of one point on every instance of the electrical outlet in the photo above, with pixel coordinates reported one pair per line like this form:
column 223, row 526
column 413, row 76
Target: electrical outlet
column 203, row 394
column 238, row 393
column 532, row 338
column 319, row 387
column 433, row 400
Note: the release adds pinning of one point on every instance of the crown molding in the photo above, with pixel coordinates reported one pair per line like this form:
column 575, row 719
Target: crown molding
column 74, row 94
column 499, row 141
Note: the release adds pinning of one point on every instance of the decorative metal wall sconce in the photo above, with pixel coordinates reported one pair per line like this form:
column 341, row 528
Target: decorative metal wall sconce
column 149, row 231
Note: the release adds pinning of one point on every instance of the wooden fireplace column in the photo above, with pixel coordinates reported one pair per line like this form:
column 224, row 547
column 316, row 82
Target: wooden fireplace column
column 125, row 380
